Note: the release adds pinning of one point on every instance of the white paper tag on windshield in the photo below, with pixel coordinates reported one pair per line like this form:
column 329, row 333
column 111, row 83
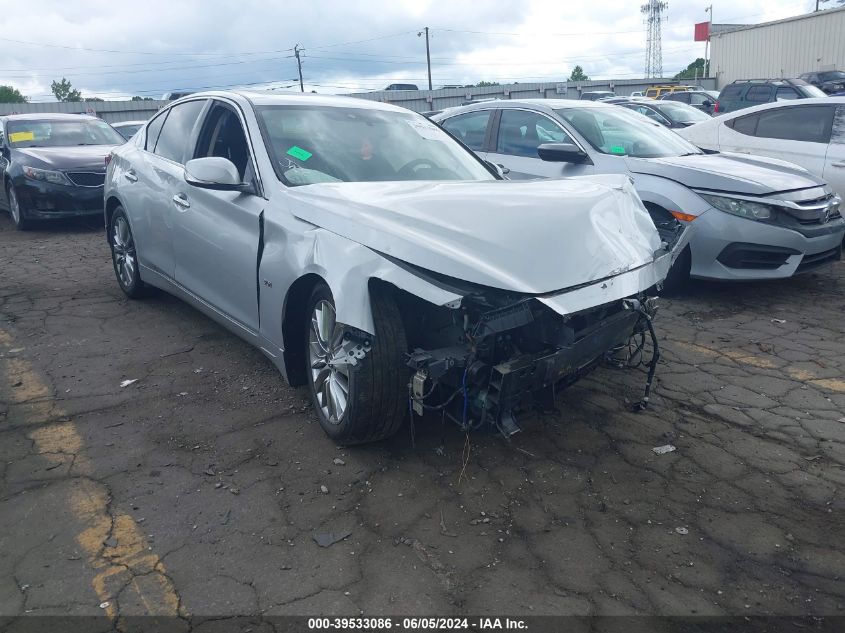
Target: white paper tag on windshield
column 426, row 130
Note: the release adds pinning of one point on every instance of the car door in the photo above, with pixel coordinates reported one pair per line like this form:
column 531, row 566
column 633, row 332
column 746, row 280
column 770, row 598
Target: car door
column 472, row 129
column 217, row 232
column 796, row 133
column 834, row 165
column 516, row 139
column 154, row 175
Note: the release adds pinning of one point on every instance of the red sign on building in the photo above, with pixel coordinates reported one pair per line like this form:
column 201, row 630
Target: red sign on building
column 702, row 31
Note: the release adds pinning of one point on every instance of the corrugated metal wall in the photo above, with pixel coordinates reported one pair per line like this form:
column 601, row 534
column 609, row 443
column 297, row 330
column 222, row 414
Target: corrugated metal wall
column 111, row 111
column 785, row 48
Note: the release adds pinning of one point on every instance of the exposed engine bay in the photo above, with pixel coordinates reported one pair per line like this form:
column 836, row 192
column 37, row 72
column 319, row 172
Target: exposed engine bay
column 498, row 355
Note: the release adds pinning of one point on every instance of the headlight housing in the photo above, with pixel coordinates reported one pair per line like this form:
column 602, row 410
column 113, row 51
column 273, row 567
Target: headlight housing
column 46, row 175
column 742, row 208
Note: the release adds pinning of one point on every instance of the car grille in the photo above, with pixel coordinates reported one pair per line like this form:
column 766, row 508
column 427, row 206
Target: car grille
column 86, row 178
column 815, row 210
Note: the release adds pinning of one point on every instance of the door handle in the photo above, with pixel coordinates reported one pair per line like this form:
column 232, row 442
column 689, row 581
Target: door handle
column 181, row 201
column 130, row 176
column 840, row 163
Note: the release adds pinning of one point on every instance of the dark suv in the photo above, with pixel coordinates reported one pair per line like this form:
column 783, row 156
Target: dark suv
column 744, row 93
column 829, row 81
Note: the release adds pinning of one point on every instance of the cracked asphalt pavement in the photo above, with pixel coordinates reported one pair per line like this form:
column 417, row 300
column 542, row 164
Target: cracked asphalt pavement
column 200, row 488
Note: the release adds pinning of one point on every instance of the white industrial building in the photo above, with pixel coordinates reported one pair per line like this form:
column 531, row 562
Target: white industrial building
column 781, row 49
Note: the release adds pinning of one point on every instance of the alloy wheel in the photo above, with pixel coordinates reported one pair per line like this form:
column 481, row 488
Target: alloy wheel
column 329, row 368
column 123, row 252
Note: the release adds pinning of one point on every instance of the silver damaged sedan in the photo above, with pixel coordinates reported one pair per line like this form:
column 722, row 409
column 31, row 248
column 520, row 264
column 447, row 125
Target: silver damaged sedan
column 376, row 260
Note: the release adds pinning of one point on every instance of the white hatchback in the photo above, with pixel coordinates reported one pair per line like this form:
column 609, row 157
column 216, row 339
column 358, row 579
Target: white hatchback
column 807, row 132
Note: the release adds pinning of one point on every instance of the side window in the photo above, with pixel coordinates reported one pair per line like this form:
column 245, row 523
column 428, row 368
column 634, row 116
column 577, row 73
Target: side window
column 745, row 124
column 837, row 133
column 173, row 140
column 651, row 92
column 810, row 124
column 649, row 112
column 759, row 94
column 697, row 99
column 522, row 132
column 471, row 128
column 223, row 135
column 153, row 130
column 784, row 94
column 730, row 93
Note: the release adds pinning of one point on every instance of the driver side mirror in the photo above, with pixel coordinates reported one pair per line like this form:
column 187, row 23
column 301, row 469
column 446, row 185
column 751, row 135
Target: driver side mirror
column 214, row 172
column 563, row 153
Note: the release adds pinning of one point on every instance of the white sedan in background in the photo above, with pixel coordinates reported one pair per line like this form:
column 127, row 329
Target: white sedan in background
column 807, row 132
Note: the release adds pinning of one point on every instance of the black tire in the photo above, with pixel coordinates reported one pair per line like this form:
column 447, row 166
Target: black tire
column 16, row 210
column 124, row 256
column 678, row 276
column 377, row 385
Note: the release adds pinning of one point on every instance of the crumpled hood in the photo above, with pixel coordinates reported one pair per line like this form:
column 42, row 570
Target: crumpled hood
column 78, row 157
column 526, row 236
column 730, row 173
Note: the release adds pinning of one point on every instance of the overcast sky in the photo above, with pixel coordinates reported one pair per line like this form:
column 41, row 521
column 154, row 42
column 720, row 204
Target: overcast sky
column 115, row 49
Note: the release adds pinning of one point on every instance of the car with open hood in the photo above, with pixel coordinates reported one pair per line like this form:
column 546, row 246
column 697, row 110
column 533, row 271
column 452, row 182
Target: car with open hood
column 751, row 217
column 53, row 165
column 374, row 259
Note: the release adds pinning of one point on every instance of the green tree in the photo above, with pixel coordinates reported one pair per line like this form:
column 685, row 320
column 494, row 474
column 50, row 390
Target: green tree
column 137, row 98
column 486, row 84
column 578, row 74
column 695, row 69
column 9, row 94
column 64, row 91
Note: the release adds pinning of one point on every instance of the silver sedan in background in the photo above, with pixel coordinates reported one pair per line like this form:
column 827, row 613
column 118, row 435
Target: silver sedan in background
column 751, row 217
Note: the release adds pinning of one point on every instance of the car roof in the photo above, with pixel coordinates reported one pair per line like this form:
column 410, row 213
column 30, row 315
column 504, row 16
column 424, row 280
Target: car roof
column 266, row 98
column 46, row 116
column 540, row 104
column 138, row 122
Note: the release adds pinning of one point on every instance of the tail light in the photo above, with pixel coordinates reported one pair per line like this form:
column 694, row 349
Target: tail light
column 716, row 107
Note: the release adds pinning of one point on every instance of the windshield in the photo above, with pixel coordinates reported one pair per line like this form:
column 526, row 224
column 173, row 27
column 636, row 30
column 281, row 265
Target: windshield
column 313, row 144
column 61, row 133
column 832, row 75
column 681, row 112
column 811, row 91
column 128, row 130
column 617, row 131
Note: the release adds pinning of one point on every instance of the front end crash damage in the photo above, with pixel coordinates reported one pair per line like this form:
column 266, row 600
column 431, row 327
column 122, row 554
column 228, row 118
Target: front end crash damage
column 489, row 337
column 486, row 359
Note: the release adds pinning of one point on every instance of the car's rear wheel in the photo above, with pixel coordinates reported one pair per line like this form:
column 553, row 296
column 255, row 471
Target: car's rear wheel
column 125, row 255
column 19, row 219
column 364, row 401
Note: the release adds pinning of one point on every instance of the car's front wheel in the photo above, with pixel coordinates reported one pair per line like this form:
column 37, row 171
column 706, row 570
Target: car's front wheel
column 19, row 219
column 124, row 255
column 359, row 397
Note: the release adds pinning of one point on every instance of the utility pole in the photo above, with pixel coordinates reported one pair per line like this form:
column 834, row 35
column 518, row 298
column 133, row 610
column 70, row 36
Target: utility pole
column 427, row 55
column 708, row 10
column 296, row 50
